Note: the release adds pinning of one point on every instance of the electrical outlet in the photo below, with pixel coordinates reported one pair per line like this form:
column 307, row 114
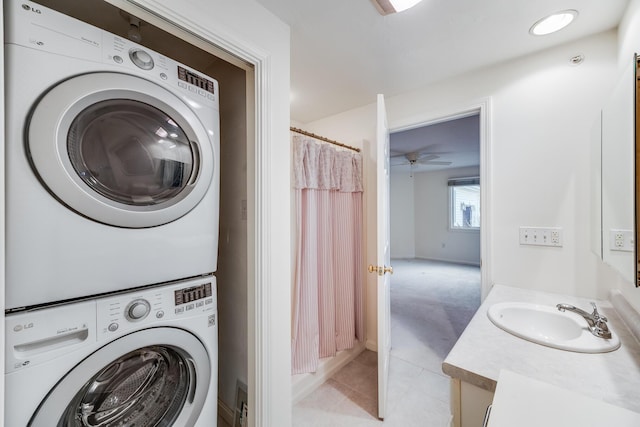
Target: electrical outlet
column 621, row 240
column 541, row 236
column 241, row 413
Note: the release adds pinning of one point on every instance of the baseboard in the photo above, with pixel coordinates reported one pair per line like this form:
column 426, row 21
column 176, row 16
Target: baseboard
column 225, row 412
column 303, row 385
column 452, row 261
column 372, row 345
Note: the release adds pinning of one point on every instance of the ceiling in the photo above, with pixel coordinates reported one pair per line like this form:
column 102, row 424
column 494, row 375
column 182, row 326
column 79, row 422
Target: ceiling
column 343, row 52
column 455, row 142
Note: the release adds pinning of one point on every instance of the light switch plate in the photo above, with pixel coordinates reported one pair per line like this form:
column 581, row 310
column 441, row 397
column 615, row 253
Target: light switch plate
column 541, row 236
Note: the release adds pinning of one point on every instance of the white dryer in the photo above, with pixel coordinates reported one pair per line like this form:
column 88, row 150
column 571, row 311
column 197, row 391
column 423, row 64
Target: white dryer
column 143, row 358
column 112, row 161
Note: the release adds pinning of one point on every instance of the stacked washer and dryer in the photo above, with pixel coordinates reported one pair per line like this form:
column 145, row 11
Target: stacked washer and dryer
column 112, row 200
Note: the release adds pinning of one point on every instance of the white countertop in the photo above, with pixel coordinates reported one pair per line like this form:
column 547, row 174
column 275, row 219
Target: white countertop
column 484, row 349
column 524, row 402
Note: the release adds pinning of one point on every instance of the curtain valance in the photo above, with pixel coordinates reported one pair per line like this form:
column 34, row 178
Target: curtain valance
column 319, row 166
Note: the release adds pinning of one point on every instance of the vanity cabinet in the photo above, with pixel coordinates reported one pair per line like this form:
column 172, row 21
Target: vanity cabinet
column 468, row 404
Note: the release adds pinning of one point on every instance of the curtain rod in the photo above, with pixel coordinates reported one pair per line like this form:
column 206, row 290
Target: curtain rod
column 322, row 138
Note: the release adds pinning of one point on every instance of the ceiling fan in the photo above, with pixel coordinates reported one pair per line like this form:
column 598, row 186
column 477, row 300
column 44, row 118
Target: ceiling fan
column 417, row 158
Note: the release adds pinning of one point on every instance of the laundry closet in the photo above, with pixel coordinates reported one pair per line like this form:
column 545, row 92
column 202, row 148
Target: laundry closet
column 236, row 99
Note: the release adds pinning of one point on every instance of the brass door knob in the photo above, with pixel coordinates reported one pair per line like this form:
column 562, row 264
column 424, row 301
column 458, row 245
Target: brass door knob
column 380, row 270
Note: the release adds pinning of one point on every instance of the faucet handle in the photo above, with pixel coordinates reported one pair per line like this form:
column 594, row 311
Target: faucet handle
column 600, row 328
column 596, row 314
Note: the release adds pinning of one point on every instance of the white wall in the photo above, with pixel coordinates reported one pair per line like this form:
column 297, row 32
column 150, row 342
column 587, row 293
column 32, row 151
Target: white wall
column 628, row 31
column 419, row 218
column 434, row 239
column 541, row 113
column 402, row 216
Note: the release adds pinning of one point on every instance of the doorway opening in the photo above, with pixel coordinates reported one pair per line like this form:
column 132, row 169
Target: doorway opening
column 436, row 223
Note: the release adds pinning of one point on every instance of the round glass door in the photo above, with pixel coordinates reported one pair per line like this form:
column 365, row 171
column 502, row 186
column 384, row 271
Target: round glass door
column 144, row 388
column 157, row 377
column 130, row 152
column 122, row 150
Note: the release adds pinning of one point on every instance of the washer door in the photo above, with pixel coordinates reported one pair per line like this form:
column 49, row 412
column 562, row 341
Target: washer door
column 152, row 378
column 120, row 150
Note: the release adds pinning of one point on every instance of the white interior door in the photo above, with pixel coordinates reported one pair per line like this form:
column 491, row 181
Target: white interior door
column 383, row 269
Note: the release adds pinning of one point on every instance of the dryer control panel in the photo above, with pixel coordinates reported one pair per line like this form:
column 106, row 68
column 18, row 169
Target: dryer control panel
column 37, row 27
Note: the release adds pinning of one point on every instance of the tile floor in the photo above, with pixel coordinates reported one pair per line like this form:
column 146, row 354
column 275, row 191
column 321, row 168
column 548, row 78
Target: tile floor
column 431, row 303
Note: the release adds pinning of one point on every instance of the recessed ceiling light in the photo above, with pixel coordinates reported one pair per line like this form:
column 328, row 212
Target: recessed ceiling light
column 553, row 23
column 386, row 7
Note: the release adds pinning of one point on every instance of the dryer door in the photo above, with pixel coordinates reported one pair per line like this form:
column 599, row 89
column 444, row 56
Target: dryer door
column 156, row 377
column 121, row 150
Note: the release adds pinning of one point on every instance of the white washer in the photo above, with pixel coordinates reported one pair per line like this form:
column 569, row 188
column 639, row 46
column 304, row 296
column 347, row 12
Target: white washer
column 112, row 162
column 130, row 359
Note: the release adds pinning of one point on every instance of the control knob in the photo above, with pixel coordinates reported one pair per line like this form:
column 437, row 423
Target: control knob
column 137, row 310
column 141, row 59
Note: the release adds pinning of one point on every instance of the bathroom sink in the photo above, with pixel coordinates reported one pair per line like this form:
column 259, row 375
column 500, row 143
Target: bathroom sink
column 548, row 326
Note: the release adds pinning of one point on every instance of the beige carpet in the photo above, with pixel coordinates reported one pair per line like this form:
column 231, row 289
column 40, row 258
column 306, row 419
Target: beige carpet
column 431, row 304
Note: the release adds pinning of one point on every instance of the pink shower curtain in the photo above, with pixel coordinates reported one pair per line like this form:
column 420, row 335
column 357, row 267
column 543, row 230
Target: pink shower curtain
column 327, row 297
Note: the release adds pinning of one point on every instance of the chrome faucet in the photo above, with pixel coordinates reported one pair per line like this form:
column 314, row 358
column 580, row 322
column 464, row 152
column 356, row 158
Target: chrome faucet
column 597, row 322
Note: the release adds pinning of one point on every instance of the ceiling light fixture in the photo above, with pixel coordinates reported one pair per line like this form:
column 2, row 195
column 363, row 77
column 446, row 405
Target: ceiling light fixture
column 553, row 23
column 386, row 7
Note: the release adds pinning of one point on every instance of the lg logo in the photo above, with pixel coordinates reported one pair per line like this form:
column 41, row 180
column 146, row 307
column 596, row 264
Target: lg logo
column 34, row 10
column 19, row 328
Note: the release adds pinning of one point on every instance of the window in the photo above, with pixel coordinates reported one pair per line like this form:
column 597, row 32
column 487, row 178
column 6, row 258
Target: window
column 464, row 203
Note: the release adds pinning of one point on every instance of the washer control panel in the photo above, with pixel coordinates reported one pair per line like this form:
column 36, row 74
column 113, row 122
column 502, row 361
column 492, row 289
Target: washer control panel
column 120, row 313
